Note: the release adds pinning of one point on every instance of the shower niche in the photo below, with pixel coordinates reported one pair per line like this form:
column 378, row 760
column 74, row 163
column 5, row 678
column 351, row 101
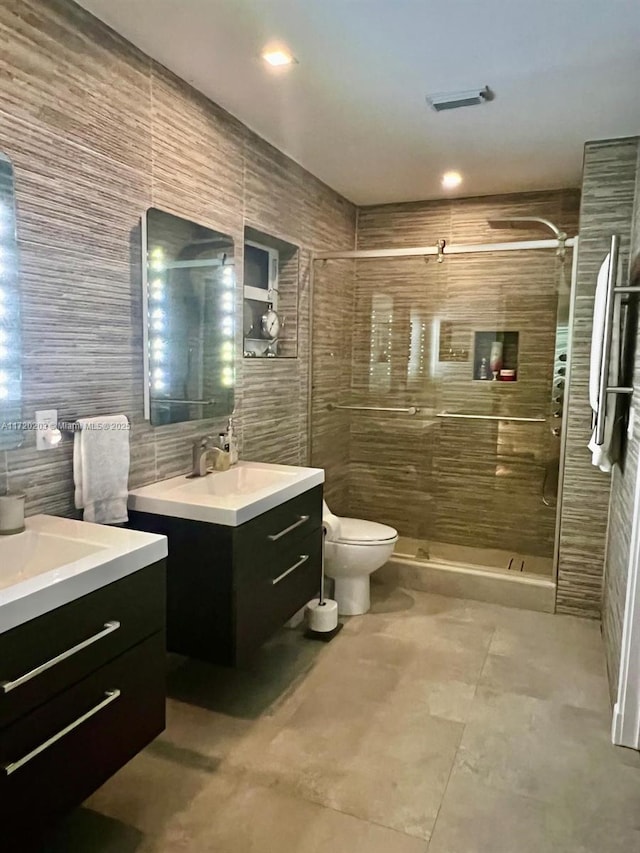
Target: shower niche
column 495, row 356
column 270, row 284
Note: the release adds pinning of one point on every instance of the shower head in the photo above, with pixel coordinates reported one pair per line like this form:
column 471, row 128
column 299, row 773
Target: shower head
column 525, row 222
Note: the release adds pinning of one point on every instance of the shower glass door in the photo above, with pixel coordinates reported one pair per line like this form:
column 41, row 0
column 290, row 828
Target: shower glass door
column 477, row 344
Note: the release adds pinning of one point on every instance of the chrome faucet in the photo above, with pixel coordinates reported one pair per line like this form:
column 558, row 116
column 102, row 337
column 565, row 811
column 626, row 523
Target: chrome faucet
column 200, row 455
column 202, row 448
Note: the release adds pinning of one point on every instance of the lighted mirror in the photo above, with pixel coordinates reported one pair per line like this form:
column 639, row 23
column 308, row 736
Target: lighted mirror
column 189, row 322
column 10, row 349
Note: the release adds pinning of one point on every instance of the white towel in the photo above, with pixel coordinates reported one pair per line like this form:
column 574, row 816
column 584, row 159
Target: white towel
column 101, row 468
column 604, row 455
column 331, row 523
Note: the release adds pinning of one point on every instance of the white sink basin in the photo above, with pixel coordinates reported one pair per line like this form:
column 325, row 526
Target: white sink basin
column 58, row 559
column 226, row 497
column 33, row 553
column 243, row 479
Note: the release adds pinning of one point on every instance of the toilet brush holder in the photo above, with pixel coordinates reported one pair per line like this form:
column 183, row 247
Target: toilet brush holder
column 322, row 620
column 322, row 613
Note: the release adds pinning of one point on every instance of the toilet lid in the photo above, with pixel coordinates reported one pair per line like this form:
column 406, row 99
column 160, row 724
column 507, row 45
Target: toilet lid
column 356, row 531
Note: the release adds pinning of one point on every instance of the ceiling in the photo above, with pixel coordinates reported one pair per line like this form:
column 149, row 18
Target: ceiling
column 353, row 110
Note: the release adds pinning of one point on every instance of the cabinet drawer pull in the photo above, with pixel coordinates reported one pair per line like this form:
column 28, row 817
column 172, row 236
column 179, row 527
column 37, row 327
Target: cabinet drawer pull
column 110, row 696
column 8, row 686
column 303, row 559
column 302, row 519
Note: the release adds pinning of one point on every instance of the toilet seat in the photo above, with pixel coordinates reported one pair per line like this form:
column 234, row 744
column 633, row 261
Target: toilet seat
column 357, row 531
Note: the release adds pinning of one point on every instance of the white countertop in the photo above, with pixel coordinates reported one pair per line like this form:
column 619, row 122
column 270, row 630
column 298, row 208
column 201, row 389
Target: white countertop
column 226, row 497
column 57, row 560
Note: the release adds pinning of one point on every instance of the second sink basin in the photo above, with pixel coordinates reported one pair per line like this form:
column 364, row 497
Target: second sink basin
column 33, row 553
column 56, row 560
column 226, row 497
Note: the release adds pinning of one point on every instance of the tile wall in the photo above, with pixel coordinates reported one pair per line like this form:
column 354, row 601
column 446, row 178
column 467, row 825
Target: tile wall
column 624, row 477
column 330, row 432
column 98, row 132
column 608, row 190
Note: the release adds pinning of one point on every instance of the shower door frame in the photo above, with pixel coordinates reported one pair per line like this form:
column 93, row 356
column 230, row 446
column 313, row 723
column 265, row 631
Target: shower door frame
column 442, row 251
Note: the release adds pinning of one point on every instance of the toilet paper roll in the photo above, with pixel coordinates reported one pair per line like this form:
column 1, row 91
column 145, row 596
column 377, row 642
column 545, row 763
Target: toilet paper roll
column 322, row 617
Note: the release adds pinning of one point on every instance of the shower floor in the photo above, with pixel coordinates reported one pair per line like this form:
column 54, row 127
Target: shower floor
column 491, row 559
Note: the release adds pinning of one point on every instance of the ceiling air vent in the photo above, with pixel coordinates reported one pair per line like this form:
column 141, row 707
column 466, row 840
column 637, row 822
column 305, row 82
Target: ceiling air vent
column 452, row 100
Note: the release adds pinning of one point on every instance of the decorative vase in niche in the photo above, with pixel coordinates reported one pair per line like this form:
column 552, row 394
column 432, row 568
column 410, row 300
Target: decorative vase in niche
column 495, row 359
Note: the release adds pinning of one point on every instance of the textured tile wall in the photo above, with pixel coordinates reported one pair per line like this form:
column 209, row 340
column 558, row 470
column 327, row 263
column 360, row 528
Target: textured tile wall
column 98, row 132
column 606, row 208
column 622, row 498
column 333, row 307
column 449, row 480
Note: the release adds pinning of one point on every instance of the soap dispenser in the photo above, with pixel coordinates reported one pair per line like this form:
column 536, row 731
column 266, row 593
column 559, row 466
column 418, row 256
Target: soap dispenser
column 231, row 443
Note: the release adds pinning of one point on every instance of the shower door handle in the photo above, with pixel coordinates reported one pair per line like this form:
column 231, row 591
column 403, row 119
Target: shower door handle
column 551, row 473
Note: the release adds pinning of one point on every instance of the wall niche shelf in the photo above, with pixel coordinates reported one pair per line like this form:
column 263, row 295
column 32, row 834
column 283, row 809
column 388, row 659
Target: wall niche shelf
column 495, row 357
column 270, row 284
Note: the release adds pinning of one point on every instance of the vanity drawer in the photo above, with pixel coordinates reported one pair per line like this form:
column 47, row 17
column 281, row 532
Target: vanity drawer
column 56, row 756
column 48, row 654
column 278, row 528
column 274, row 590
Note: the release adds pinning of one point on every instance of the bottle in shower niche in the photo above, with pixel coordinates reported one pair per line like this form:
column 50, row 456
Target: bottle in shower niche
column 483, row 372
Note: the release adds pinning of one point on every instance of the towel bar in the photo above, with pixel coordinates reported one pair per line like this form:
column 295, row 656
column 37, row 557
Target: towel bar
column 178, row 401
column 607, row 335
column 472, row 417
column 411, row 410
column 73, row 425
column 603, row 387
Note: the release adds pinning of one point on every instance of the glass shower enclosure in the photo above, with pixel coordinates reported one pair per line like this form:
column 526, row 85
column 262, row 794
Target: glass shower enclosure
column 438, row 396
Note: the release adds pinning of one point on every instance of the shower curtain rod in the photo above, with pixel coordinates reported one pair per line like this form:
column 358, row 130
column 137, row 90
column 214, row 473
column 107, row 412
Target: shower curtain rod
column 420, row 251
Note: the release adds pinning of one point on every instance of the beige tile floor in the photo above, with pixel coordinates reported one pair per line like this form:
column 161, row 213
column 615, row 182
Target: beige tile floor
column 430, row 724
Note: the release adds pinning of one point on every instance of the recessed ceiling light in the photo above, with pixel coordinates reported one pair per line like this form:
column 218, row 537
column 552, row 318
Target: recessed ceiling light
column 278, row 58
column 451, row 180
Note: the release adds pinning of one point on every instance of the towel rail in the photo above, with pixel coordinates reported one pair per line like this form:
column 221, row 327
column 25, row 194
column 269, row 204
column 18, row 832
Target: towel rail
column 472, row 417
column 74, row 425
column 410, row 410
column 603, row 388
column 607, row 336
column 177, row 401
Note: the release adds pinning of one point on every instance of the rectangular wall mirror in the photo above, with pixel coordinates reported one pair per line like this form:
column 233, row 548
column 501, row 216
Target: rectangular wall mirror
column 10, row 341
column 189, row 322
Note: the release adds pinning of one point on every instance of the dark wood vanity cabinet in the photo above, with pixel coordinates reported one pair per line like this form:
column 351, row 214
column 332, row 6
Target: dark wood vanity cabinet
column 82, row 690
column 230, row 588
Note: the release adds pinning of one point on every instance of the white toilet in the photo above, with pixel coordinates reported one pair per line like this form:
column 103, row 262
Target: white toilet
column 353, row 550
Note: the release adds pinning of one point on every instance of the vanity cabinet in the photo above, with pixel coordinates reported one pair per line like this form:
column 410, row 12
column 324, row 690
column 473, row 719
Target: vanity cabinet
column 230, row 588
column 82, row 690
